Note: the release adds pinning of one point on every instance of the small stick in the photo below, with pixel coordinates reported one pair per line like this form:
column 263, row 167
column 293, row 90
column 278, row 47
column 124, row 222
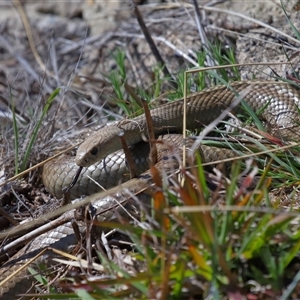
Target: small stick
column 8, row 217
column 202, row 35
column 131, row 164
column 151, row 43
column 151, row 134
column 129, row 89
column 76, row 230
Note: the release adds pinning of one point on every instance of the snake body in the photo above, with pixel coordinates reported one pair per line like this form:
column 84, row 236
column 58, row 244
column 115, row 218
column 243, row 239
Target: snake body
column 63, row 236
column 278, row 103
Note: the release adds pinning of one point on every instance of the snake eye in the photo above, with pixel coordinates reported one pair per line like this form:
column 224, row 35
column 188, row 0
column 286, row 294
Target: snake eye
column 94, row 151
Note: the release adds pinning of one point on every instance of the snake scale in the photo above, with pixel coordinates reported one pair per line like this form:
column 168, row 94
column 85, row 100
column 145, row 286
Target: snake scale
column 278, row 103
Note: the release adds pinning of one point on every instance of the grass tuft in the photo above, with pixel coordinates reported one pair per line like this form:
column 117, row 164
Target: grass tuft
column 28, row 150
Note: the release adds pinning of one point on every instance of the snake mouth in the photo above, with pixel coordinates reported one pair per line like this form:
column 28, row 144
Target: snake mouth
column 79, row 160
column 85, row 159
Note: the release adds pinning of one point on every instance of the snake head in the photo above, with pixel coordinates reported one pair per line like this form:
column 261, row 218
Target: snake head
column 88, row 153
column 98, row 146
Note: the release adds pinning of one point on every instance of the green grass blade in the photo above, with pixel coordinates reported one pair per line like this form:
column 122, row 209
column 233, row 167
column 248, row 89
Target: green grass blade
column 295, row 30
column 16, row 133
column 37, row 127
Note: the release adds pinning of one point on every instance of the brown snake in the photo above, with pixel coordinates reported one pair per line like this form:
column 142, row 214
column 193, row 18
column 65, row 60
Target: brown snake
column 277, row 101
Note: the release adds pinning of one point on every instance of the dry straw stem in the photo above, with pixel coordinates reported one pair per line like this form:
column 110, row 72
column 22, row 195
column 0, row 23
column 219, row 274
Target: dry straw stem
column 77, row 262
column 204, row 40
column 24, row 18
column 230, row 208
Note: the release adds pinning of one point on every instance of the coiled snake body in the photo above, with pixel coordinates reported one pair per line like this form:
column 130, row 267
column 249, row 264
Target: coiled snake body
column 277, row 101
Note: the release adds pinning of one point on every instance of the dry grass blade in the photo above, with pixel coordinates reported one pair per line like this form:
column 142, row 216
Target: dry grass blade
column 131, row 164
column 151, row 44
column 151, row 134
